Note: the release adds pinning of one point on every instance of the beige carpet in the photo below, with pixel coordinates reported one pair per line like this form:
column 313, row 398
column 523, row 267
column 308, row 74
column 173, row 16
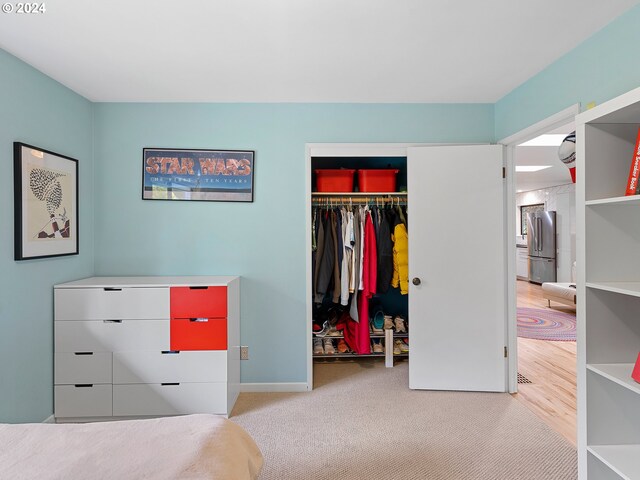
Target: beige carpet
column 362, row 422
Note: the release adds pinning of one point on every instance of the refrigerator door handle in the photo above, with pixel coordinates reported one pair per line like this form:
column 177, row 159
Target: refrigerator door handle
column 539, row 234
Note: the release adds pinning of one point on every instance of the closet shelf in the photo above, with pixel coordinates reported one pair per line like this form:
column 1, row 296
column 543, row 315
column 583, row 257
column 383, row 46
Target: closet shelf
column 631, row 200
column 355, row 355
column 372, row 335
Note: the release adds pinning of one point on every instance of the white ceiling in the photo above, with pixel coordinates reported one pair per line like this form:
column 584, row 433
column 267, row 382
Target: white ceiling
column 300, row 50
column 558, row 174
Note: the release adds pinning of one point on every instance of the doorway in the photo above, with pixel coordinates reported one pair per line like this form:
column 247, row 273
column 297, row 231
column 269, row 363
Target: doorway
column 543, row 202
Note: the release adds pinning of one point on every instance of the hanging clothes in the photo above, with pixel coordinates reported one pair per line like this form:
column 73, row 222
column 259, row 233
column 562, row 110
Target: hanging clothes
column 319, row 253
column 369, row 270
column 385, row 253
column 354, row 285
column 325, row 266
column 400, row 257
column 347, row 253
column 336, row 267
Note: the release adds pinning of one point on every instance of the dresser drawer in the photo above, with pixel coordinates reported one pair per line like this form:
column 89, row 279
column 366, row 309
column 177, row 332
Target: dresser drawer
column 199, row 334
column 107, row 336
column 192, row 302
column 83, row 401
column 149, row 366
column 82, row 367
column 156, row 399
column 110, row 304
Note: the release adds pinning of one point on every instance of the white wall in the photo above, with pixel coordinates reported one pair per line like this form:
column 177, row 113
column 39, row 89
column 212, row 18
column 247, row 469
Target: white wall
column 562, row 199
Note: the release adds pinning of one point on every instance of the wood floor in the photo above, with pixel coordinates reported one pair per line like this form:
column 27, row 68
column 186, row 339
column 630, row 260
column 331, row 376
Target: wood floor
column 551, row 368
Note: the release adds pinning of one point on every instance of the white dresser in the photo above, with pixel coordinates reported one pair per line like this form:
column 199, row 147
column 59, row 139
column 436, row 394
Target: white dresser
column 146, row 346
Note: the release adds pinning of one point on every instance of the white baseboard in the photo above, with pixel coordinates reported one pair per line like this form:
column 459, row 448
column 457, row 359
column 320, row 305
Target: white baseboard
column 49, row 419
column 275, row 387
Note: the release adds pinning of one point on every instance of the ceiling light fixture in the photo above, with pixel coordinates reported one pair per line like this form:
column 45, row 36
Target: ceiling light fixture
column 546, row 140
column 531, row 168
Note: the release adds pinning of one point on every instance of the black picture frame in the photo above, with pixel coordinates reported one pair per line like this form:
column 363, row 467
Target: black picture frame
column 198, row 174
column 46, row 203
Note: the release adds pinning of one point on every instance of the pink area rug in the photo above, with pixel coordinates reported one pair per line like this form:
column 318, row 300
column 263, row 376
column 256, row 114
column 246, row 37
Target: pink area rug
column 546, row 324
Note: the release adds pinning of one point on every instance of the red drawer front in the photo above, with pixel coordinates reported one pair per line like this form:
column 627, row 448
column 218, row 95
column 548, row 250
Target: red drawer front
column 191, row 302
column 199, row 334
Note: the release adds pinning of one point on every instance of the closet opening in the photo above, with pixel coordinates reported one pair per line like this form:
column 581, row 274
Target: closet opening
column 359, row 259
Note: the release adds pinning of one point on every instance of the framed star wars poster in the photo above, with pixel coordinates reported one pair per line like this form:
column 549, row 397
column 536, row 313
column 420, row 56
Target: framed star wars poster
column 45, row 203
column 197, row 175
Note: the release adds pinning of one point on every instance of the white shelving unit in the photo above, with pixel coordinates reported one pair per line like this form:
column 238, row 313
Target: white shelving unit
column 608, row 252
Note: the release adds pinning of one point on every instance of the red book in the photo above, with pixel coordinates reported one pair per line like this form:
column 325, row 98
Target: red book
column 636, row 370
column 634, row 173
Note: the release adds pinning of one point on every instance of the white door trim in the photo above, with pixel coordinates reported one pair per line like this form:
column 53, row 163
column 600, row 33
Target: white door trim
column 339, row 150
column 554, row 121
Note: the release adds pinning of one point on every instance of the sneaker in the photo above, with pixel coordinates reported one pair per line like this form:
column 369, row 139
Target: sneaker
column 342, row 346
column 397, row 350
column 317, row 346
column 325, row 329
column 374, row 330
column 388, row 322
column 377, row 322
column 404, row 345
column 399, row 324
column 377, row 347
column 333, row 332
column 329, row 349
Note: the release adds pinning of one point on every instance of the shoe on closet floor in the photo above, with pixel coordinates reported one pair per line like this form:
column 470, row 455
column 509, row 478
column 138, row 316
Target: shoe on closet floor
column 377, row 322
column 404, row 345
column 342, row 346
column 317, row 346
column 400, row 325
column 388, row 322
column 325, row 329
column 377, row 347
column 333, row 332
column 397, row 347
column 329, row 349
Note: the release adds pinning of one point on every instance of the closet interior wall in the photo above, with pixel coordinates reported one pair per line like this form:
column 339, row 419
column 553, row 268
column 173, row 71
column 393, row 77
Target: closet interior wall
column 350, row 323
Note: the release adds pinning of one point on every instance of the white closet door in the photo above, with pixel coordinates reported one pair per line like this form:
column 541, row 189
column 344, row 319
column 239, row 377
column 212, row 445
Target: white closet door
column 457, row 254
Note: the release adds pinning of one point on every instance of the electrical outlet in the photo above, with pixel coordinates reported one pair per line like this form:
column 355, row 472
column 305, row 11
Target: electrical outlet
column 244, row 353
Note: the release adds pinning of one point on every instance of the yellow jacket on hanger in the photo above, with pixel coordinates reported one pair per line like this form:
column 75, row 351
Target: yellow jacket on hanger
column 400, row 258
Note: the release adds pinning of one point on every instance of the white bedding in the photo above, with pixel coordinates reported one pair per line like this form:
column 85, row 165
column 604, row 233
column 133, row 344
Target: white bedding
column 186, row 447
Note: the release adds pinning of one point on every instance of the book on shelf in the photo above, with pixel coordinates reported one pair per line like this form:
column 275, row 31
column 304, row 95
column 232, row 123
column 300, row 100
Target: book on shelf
column 634, row 172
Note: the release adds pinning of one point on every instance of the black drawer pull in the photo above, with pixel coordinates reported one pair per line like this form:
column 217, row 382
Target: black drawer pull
column 169, row 384
column 199, row 320
column 112, row 289
column 198, row 288
column 170, row 352
column 112, row 321
column 83, row 385
column 83, row 353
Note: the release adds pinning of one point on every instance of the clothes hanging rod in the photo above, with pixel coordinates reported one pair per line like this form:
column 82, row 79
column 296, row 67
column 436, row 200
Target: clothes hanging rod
column 372, row 200
column 358, row 194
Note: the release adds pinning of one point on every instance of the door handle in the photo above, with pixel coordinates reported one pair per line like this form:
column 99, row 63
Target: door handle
column 416, row 281
column 540, row 234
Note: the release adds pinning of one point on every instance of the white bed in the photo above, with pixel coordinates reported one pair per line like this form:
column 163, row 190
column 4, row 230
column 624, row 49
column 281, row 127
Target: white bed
column 186, row 447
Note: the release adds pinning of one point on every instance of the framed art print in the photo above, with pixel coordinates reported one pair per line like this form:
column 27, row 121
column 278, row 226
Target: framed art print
column 45, row 203
column 205, row 175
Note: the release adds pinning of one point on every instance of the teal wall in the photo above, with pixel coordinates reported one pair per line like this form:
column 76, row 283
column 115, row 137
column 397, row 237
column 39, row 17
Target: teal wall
column 264, row 241
column 39, row 111
column 602, row 67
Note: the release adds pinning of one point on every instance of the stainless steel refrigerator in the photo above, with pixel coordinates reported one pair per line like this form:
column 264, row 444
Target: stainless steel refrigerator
column 541, row 241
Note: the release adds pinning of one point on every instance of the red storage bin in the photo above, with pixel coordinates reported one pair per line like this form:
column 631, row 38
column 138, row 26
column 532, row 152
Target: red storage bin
column 198, row 334
column 379, row 180
column 334, row 180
